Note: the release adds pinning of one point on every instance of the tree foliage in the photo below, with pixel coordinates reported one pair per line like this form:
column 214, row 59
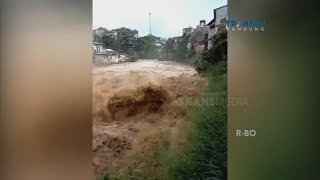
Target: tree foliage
column 126, row 40
column 216, row 54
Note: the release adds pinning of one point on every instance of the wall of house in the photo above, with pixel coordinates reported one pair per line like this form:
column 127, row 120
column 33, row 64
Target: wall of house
column 187, row 31
column 97, row 48
column 221, row 13
column 198, row 48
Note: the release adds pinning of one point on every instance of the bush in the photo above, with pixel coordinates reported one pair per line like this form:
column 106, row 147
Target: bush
column 202, row 64
column 217, row 53
column 205, row 155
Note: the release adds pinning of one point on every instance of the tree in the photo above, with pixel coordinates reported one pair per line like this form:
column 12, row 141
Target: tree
column 109, row 40
column 126, row 40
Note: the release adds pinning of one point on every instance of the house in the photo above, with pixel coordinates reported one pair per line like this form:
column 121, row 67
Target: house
column 187, row 31
column 159, row 41
column 97, row 48
column 201, row 25
column 197, row 38
column 108, row 51
column 110, row 56
column 175, row 41
column 217, row 24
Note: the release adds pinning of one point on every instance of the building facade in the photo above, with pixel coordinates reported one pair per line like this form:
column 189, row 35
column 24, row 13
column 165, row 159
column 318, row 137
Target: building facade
column 217, row 24
column 97, row 48
column 187, row 31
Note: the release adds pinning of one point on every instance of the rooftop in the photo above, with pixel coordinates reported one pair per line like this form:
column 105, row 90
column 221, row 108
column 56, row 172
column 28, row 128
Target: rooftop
column 97, row 43
column 214, row 18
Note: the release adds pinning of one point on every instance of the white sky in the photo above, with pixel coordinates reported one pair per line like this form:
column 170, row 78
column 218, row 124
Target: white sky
column 168, row 16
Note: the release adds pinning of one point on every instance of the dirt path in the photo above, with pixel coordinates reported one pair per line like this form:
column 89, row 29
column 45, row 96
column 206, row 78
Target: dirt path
column 132, row 101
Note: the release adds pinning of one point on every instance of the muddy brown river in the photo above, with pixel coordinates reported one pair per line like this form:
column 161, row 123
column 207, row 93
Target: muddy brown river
column 131, row 103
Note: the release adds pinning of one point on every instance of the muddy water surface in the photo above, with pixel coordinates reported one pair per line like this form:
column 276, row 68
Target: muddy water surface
column 132, row 100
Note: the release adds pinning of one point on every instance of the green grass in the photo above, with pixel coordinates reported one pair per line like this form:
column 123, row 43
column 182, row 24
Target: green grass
column 205, row 155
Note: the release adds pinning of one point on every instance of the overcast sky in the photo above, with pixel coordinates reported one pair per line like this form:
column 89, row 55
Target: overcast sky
column 168, row 16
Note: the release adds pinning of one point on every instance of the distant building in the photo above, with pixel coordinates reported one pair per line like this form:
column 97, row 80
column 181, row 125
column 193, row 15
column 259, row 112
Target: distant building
column 187, row 31
column 159, row 41
column 202, row 24
column 217, row 24
column 220, row 13
column 198, row 38
column 97, row 48
column 110, row 56
column 108, row 51
column 175, row 41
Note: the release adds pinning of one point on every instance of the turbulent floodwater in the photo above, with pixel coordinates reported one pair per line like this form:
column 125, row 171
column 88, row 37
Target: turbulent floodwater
column 166, row 68
column 133, row 100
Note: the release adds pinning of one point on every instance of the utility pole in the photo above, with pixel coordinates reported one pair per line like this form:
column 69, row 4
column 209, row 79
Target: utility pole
column 150, row 22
